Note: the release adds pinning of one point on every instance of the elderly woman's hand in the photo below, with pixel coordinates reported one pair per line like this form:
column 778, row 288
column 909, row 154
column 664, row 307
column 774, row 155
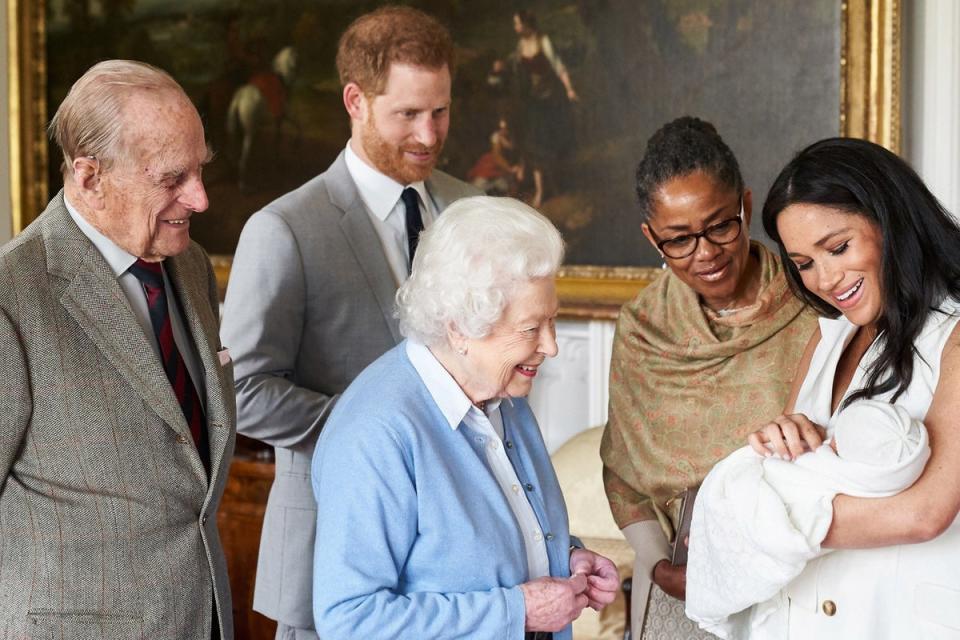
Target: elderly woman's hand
column 787, row 437
column 603, row 580
column 553, row 603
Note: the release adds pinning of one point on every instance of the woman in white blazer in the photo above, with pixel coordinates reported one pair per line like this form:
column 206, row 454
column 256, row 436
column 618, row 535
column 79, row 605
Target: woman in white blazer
column 872, row 250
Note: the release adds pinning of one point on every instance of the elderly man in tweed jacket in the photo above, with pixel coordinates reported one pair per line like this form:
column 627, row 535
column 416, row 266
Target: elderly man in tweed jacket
column 117, row 414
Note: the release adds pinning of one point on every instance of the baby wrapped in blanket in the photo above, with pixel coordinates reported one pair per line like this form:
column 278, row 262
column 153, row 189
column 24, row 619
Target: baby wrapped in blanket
column 757, row 521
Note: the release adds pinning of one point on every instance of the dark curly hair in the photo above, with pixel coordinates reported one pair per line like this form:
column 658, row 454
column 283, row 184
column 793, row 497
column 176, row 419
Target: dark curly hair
column 679, row 148
column 920, row 253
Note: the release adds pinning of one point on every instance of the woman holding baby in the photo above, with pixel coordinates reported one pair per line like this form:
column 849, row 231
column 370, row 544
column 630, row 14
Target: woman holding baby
column 869, row 247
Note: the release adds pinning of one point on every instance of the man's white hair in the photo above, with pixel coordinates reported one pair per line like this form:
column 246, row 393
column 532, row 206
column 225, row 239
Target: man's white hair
column 90, row 121
column 468, row 264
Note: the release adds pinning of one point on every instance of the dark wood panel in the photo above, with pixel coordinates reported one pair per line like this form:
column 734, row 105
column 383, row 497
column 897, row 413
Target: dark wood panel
column 240, row 520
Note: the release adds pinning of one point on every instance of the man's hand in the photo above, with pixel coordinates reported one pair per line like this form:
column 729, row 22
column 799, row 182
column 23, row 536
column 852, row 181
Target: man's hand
column 603, row 581
column 553, row 603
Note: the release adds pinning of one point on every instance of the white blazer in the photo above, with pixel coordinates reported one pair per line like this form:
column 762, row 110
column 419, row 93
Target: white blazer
column 899, row 592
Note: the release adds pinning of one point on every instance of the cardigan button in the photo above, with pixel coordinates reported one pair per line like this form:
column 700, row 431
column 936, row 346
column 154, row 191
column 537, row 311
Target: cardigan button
column 829, row 607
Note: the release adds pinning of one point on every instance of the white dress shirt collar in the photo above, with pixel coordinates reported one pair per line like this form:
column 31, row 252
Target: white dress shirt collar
column 118, row 259
column 379, row 192
column 450, row 398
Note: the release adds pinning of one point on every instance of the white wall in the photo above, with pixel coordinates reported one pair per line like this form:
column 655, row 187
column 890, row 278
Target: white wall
column 570, row 393
column 931, row 94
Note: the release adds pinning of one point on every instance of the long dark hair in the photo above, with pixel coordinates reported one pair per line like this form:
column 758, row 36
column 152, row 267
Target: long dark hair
column 920, row 252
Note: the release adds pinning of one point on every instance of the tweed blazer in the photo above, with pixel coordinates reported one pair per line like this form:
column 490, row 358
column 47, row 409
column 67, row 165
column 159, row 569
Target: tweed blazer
column 309, row 306
column 108, row 522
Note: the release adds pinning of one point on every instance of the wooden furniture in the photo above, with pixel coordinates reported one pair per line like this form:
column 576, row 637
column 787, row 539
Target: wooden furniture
column 240, row 520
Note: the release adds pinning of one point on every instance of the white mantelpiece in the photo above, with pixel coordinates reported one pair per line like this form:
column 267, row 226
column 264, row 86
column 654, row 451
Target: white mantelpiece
column 570, row 393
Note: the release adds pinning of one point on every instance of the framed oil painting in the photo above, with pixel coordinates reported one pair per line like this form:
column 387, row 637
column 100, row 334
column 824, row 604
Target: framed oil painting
column 560, row 123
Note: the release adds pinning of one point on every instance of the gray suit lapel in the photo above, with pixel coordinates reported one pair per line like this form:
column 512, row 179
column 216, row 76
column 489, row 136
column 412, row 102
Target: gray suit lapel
column 444, row 189
column 441, row 199
column 363, row 240
column 94, row 299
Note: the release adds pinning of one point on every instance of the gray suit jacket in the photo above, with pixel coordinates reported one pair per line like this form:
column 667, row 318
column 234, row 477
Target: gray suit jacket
column 108, row 522
column 309, row 306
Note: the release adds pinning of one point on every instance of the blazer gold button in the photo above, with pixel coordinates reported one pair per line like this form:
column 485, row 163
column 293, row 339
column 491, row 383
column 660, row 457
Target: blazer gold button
column 829, row 607
column 203, row 520
column 182, row 439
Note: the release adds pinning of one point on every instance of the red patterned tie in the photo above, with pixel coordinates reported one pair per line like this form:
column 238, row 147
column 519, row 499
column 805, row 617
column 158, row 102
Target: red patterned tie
column 150, row 275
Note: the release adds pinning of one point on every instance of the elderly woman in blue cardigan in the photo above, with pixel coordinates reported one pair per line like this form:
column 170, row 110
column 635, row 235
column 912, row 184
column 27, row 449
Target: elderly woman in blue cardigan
column 439, row 514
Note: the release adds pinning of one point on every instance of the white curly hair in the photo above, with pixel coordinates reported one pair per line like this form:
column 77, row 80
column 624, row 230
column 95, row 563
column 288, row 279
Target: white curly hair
column 468, row 263
column 90, row 121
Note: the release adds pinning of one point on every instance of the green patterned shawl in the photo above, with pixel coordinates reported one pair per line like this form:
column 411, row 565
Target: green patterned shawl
column 687, row 386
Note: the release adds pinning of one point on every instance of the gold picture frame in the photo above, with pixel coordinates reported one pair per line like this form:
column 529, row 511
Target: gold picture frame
column 869, row 108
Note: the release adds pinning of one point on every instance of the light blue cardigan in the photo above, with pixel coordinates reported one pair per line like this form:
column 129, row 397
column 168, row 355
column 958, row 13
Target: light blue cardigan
column 415, row 539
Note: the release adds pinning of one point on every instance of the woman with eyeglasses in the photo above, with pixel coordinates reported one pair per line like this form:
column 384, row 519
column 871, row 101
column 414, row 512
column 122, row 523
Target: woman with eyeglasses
column 701, row 356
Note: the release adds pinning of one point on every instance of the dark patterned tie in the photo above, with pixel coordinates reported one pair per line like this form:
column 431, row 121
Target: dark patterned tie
column 150, row 275
column 414, row 222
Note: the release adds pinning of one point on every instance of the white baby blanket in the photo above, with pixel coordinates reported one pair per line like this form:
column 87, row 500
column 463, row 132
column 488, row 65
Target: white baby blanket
column 757, row 521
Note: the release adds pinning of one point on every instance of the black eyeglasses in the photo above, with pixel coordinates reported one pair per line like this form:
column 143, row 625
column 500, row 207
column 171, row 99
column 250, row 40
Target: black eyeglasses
column 723, row 232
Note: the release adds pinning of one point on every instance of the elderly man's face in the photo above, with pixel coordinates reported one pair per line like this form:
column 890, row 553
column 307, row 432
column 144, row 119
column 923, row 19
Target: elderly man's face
column 505, row 362
column 403, row 130
column 148, row 200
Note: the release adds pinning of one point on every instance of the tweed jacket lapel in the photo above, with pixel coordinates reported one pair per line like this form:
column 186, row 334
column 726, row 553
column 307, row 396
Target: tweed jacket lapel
column 363, row 240
column 93, row 297
column 201, row 322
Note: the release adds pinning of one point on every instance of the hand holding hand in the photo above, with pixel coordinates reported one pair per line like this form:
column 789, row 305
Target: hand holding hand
column 603, row 580
column 672, row 579
column 553, row 603
column 787, row 437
